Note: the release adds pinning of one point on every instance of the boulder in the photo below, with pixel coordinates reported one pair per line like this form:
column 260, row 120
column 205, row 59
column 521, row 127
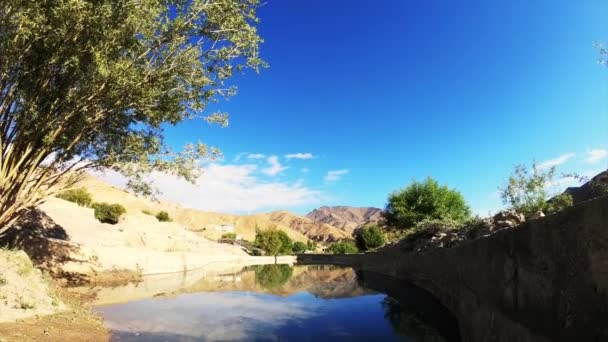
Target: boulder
column 508, row 218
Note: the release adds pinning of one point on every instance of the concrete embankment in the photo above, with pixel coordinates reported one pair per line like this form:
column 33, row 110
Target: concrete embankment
column 545, row 280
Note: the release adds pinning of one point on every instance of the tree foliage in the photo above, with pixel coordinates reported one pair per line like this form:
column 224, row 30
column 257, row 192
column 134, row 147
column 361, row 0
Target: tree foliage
column 526, row 191
column 342, row 247
column 273, row 241
column 369, row 237
column 299, row 247
column 273, row 276
column 80, row 196
column 90, row 84
column 108, row 213
column 425, row 200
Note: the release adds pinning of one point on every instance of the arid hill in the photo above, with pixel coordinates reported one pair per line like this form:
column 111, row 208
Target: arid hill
column 346, row 218
column 205, row 224
column 320, row 232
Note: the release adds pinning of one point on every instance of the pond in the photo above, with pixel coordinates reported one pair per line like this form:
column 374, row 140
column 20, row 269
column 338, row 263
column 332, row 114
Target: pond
column 275, row 303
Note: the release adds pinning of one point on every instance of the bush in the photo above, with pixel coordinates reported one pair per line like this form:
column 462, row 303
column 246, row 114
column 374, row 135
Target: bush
column 299, row 247
column 229, row 236
column 559, row 202
column 425, row 200
column 343, row 247
column 108, row 213
column 163, row 216
column 80, row 196
column 273, row 241
column 526, row 192
column 311, row 245
column 369, row 237
column 430, row 227
column 147, row 212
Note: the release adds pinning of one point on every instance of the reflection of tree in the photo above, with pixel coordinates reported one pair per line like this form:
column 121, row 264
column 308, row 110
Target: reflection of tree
column 273, row 276
column 406, row 323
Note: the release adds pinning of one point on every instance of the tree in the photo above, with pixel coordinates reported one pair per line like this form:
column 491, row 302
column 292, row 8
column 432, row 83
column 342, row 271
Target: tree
column 273, row 241
column 526, row 191
column 369, row 237
column 90, row 84
column 273, row 276
column 425, row 200
column 299, row 247
column 342, row 247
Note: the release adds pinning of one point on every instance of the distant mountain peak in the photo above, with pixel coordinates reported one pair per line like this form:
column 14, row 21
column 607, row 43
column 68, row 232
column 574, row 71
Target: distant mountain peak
column 344, row 217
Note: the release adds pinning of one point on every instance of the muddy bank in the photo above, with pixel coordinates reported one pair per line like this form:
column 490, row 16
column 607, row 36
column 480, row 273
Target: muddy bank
column 546, row 280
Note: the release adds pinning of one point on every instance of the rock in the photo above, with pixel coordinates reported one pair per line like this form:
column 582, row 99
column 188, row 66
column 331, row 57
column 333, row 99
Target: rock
column 537, row 215
column 508, row 218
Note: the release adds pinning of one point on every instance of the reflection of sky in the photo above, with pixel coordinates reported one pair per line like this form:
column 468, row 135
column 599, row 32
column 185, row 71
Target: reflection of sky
column 222, row 316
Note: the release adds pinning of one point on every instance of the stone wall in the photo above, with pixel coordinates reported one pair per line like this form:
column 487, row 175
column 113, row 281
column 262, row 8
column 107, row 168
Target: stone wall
column 545, row 280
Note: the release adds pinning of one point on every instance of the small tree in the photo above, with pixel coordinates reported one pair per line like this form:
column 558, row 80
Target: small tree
column 272, row 241
column 343, row 247
column 80, row 196
column 299, row 247
column 369, row 237
column 526, row 191
column 108, row 213
column 425, row 200
column 163, row 216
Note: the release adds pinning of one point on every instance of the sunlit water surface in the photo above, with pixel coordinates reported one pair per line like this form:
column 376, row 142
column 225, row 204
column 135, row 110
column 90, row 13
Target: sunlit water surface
column 274, row 303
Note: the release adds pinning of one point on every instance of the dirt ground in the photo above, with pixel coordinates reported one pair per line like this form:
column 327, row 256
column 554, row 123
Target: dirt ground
column 78, row 324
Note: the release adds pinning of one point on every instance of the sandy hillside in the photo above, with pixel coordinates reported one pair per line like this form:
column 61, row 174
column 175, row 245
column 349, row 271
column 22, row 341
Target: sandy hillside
column 201, row 222
column 23, row 292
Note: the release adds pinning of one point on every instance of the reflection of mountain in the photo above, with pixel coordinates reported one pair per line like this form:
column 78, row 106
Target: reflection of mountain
column 321, row 281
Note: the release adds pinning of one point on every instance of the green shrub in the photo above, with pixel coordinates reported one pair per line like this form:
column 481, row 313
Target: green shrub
column 559, row 202
column 108, row 213
column 342, row 247
column 273, row 241
column 369, row 237
column 299, row 247
column 311, row 245
column 430, row 227
column 526, row 192
column 80, row 196
column 229, row 236
column 425, row 200
column 163, row 216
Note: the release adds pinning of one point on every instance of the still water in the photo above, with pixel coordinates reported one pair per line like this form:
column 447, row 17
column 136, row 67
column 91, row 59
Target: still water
column 275, row 303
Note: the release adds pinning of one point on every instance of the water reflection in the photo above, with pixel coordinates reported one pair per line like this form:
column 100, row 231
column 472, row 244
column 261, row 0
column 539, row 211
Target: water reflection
column 270, row 303
column 273, row 276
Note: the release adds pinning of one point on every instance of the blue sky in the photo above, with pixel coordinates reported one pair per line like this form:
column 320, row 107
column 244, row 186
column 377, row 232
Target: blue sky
column 383, row 92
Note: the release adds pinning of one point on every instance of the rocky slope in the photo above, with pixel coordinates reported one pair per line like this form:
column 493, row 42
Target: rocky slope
column 345, row 218
column 319, row 232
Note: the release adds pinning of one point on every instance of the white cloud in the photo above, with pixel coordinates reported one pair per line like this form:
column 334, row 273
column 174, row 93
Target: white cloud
column 229, row 188
column 595, row 156
column 305, row 170
column 256, row 156
column 335, row 175
column 274, row 167
column 300, row 156
column 555, row 162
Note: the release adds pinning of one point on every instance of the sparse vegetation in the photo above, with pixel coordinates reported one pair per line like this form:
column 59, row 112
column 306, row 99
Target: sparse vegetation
column 163, row 216
column 342, row 247
column 526, row 191
column 80, row 196
column 229, row 236
column 425, row 200
column 147, row 212
column 311, row 245
column 108, row 213
column 370, row 237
